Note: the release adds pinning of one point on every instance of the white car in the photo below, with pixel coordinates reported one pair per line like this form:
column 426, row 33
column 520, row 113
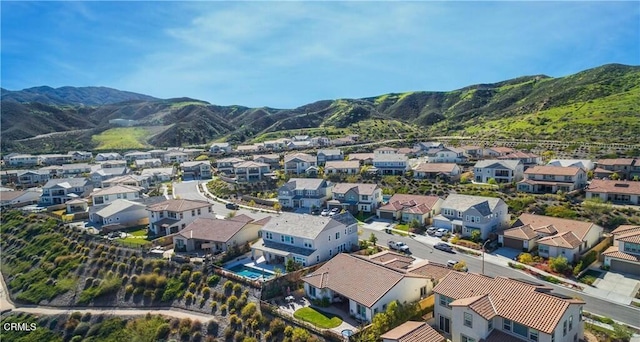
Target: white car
column 441, row 232
column 431, row 230
column 325, row 212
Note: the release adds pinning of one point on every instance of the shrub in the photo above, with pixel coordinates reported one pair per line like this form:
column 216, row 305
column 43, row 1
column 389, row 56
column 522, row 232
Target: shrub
column 248, row 310
column 559, row 264
column 212, row 327
column 213, row 280
column 185, row 275
column 196, row 277
column 162, row 332
column 231, row 301
column 525, row 258
column 223, row 309
column 206, row 292
column 214, row 306
column 276, row 326
column 237, row 289
column 228, row 285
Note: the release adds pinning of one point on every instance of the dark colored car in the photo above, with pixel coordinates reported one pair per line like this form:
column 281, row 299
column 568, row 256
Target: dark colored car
column 315, row 212
column 443, row 247
column 232, row 206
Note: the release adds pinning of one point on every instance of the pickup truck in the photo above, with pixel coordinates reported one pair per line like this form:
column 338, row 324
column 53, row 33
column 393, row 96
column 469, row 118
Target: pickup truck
column 398, row 246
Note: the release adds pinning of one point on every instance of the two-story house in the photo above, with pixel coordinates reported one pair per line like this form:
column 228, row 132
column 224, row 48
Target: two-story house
column 585, row 164
column 625, row 168
column 472, row 151
column 108, row 156
column 474, row 307
column 502, row 171
column 143, row 163
column 159, row 154
column 304, row 193
column 75, row 170
column 196, row 169
column 54, row 159
column 356, row 197
column 20, row 160
column 446, row 155
column 225, row 165
column 425, row 146
column 248, row 149
column 362, row 158
column 306, row 239
column 411, row 207
column 325, row 155
column 618, row 192
column 250, row 171
column 158, row 175
column 273, row 160
column 173, row 157
column 551, row 179
column 77, row 156
column 220, row 148
column 62, row 190
column 110, row 194
column 391, row 163
column 135, row 155
column 624, row 255
column 552, row 236
column 171, row 216
column 464, row 214
column 299, row 163
column 527, row 159
column 101, row 175
column 31, row 178
column 130, row 180
column 276, row 145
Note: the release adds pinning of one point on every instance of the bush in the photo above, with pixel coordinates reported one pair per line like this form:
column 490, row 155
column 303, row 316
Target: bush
column 237, row 289
column 248, row 310
column 212, row 328
column 163, row 331
column 213, row 280
column 559, row 264
column 231, row 301
column 196, row 277
column 276, row 326
column 525, row 258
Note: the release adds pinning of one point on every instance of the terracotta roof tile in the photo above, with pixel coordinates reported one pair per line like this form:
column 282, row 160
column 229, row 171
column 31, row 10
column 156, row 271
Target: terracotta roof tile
column 614, row 187
column 614, row 252
column 360, row 156
column 212, row 229
column 525, row 303
column 617, row 161
column 625, row 228
column 342, row 164
column 413, row 332
column 561, row 225
column 429, row 269
column 564, row 240
column 522, row 233
column 481, row 305
column 436, row 167
column 499, row 336
column 402, row 201
column 552, row 170
column 355, row 278
column 633, row 237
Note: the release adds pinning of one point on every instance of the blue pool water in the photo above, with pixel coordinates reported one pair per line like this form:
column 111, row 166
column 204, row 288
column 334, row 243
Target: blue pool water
column 249, row 272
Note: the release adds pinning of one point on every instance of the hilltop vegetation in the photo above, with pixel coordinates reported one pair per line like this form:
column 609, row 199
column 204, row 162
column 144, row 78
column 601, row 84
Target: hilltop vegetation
column 599, row 104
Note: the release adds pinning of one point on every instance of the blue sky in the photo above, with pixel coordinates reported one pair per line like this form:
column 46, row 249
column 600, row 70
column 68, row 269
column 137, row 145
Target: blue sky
column 286, row 54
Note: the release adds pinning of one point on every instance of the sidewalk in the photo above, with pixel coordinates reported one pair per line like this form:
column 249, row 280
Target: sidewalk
column 202, row 187
column 503, row 261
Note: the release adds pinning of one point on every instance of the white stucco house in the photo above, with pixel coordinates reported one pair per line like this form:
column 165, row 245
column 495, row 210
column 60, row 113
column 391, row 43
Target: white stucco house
column 306, row 239
column 464, row 214
column 171, row 216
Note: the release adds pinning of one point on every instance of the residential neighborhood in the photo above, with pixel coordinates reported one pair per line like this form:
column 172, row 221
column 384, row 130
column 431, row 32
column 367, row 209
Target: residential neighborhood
column 315, row 205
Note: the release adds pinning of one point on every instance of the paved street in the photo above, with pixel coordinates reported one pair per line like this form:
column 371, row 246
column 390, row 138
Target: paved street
column 422, row 248
column 189, row 190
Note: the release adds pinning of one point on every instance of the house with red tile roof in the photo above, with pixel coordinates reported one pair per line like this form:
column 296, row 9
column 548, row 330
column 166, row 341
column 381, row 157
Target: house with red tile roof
column 552, row 236
column 551, row 179
column 366, row 285
column 618, row 192
column 624, row 255
column 474, row 307
column 213, row 235
column 625, row 168
column 412, row 331
column 411, row 207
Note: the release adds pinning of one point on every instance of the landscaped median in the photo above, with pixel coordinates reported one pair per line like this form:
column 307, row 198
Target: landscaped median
column 318, row 318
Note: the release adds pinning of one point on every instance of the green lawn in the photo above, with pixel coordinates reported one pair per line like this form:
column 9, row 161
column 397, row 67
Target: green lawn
column 318, row 318
column 402, row 226
column 589, row 277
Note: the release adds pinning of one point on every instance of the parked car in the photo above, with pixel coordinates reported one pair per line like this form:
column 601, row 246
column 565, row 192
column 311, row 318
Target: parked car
column 453, row 263
column 325, row 212
column 315, row 211
column 398, row 246
column 443, row 247
column 232, row 206
column 431, row 230
column 441, row 232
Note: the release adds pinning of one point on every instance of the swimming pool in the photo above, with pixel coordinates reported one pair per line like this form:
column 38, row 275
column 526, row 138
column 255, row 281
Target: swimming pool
column 249, row 272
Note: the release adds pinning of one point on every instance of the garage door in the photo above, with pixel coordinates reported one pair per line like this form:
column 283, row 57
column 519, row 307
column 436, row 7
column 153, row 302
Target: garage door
column 512, row 243
column 625, row 267
column 386, row 215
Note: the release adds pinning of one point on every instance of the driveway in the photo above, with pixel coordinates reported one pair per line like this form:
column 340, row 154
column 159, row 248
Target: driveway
column 377, row 224
column 508, row 253
column 617, row 284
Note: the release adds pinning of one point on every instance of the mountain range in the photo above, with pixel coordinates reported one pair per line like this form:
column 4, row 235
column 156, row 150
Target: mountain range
column 599, row 104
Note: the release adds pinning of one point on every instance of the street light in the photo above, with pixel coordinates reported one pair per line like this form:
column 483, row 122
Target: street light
column 483, row 252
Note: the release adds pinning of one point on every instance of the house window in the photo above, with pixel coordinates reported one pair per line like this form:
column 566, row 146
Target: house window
column 181, row 216
column 543, row 249
column 466, row 339
column 553, row 336
column 312, row 291
column 520, row 329
column 119, row 195
column 468, row 320
column 268, row 235
column 210, row 209
column 337, row 235
column 199, row 212
column 570, row 323
column 193, row 213
column 317, row 258
column 506, row 324
column 490, row 325
column 423, row 291
column 445, row 301
column 533, row 335
column 564, row 328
